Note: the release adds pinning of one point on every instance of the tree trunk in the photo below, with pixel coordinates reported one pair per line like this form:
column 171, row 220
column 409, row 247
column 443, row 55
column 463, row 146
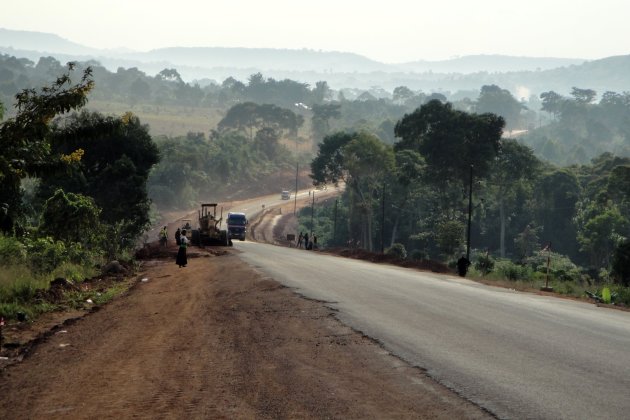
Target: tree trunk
column 394, row 231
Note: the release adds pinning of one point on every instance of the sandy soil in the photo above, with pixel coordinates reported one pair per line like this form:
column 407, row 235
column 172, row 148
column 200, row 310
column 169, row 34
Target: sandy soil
column 215, row 340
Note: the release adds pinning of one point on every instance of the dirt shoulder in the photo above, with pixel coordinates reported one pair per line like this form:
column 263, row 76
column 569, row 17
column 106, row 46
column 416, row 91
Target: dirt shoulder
column 216, row 340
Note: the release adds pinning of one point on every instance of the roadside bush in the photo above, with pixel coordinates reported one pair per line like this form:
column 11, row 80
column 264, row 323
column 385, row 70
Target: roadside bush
column 418, row 255
column 511, row 271
column 622, row 294
column 12, row 251
column 484, row 264
column 74, row 272
column 398, row 250
column 560, row 268
column 45, row 254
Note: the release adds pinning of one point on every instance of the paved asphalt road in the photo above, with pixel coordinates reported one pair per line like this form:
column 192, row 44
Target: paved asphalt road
column 517, row 354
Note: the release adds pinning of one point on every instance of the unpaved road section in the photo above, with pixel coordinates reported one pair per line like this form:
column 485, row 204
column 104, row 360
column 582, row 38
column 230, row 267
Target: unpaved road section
column 217, row 340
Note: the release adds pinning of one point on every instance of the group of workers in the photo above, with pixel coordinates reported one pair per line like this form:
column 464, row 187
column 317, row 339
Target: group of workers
column 306, row 241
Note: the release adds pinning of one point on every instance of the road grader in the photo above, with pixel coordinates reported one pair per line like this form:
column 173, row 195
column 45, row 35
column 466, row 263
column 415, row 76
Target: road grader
column 209, row 231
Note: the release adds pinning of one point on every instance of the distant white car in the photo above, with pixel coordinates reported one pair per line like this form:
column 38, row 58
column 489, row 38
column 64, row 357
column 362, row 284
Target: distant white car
column 285, row 195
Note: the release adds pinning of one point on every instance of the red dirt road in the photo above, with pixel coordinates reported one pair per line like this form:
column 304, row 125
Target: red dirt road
column 216, row 340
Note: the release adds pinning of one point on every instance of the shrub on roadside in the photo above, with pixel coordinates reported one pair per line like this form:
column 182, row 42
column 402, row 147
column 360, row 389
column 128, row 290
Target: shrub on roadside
column 398, row 250
column 45, row 254
column 12, row 251
column 484, row 264
column 560, row 268
column 418, row 255
column 510, row 270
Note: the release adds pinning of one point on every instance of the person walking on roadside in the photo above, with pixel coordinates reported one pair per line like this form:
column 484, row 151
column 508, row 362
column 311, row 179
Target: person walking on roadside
column 300, row 239
column 182, row 259
column 178, row 236
column 314, row 241
column 306, row 240
column 462, row 266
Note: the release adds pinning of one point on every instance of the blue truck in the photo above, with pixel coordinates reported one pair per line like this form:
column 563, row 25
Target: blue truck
column 237, row 225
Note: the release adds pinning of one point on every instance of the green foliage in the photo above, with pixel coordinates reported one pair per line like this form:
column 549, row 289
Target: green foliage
column 322, row 114
column 527, row 242
column 70, row 217
column 113, row 170
column 46, row 254
column 449, row 236
column 599, row 234
column 25, row 140
column 451, row 140
column 582, row 129
column 398, row 250
column 560, row 266
column 557, row 195
column 12, row 251
column 511, row 271
column 484, row 264
column 418, row 254
column 499, row 101
column 248, row 116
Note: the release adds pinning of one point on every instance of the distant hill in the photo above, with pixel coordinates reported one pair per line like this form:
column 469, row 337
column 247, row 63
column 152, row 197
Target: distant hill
column 303, row 60
column 489, row 63
column 42, row 42
column 263, row 58
column 521, row 75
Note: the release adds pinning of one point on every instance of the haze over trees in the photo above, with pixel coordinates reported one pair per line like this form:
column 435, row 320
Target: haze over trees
column 561, row 182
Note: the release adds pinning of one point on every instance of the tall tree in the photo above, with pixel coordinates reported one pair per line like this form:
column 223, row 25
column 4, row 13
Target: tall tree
column 583, row 96
column 514, row 164
column 320, row 119
column 501, row 102
column 451, row 141
column 118, row 154
column 557, row 194
column 362, row 161
column 25, row 139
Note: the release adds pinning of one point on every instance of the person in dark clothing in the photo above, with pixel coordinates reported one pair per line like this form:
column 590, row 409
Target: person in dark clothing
column 178, row 236
column 300, row 239
column 462, row 266
column 314, row 241
column 182, row 259
column 306, row 240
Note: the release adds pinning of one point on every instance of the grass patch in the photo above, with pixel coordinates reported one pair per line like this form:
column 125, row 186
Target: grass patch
column 79, row 299
column 22, row 291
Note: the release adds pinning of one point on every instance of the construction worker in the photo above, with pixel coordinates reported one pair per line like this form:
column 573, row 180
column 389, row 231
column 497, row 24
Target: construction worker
column 163, row 236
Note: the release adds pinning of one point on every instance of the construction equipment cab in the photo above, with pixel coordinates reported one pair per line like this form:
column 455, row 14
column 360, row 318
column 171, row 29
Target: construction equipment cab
column 237, row 225
column 209, row 232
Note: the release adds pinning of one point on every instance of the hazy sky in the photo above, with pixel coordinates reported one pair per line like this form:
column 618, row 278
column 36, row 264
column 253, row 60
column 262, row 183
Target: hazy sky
column 388, row 31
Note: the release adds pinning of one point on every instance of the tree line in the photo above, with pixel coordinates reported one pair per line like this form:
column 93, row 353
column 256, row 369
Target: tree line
column 415, row 193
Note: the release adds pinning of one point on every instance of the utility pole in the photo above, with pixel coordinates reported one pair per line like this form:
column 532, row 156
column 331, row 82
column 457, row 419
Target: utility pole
column 383, row 222
column 335, row 224
column 312, row 212
column 469, row 213
column 297, row 165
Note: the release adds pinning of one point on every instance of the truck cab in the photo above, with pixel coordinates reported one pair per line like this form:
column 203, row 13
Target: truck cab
column 237, row 225
column 285, row 195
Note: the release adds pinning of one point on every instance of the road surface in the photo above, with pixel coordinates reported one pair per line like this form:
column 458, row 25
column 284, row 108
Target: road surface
column 518, row 355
